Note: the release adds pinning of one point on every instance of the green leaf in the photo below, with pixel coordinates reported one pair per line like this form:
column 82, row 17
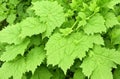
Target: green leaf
column 51, row 14
column 112, row 3
column 3, row 11
column 60, row 48
column 115, row 35
column 14, row 2
column 11, row 34
column 58, row 74
column 13, row 50
column 95, row 25
column 34, row 58
column 42, row 72
column 116, row 73
column 111, row 20
column 66, row 31
column 82, row 15
column 31, row 26
column 11, row 18
column 82, row 23
column 78, row 74
column 99, row 63
column 36, row 40
column 20, row 64
column 102, row 72
column 24, row 77
column 14, row 68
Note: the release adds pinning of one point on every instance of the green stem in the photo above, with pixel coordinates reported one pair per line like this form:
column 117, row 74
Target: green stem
column 90, row 16
column 74, row 24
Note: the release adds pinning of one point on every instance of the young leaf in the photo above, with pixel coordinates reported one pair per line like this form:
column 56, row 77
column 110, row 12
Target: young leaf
column 115, row 35
column 111, row 20
column 112, row 3
column 78, row 74
column 51, row 14
column 100, row 63
column 95, row 25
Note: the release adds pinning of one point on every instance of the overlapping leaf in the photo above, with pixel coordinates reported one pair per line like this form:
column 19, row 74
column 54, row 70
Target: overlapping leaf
column 112, row 3
column 11, row 34
column 51, row 14
column 111, row 20
column 78, row 74
column 115, row 35
column 14, row 68
column 31, row 26
column 20, row 65
column 100, row 63
column 95, row 25
column 35, row 58
column 42, row 73
column 60, row 48
column 13, row 50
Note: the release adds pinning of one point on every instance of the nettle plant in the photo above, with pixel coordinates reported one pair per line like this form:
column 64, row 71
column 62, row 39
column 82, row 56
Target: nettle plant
column 60, row 39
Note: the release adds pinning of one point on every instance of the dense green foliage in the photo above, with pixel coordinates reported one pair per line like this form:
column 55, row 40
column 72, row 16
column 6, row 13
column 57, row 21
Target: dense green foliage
column 59, row 39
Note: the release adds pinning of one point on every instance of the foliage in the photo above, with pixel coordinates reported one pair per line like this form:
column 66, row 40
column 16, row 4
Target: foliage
column 59, row 39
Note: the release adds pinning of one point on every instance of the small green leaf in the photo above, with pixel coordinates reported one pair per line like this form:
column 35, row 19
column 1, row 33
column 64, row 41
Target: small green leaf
column 13, row 50
column 116, row 73
column 78, row 74
column 112, row 3
column 95, row 25
column 111, row 20
column 11, row 18
column 66, row 31
column 42, row 72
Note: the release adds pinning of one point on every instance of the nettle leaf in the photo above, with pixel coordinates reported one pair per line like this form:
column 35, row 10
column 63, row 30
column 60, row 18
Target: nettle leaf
column 11, row 34
column 51, row 14
column 95, row 25
column 111, row 20
column 115, row 35
column 13, row 50
column 42, row 72
column 112, row 3
column 78, row 74
column 31, row 26
column 14, row 68
column 11, row 18
column 99, row 63
column 20, row 64
column 60, row 48
column 35, row 58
